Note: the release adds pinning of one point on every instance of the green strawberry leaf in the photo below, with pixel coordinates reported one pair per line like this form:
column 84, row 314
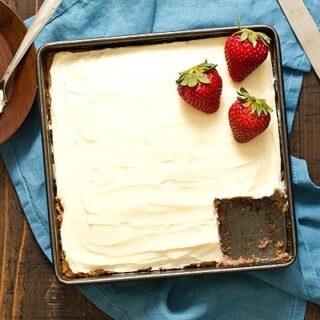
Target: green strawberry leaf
column 247, row 104
column 243, row 93
column 257, row 105
column 185, row 81
column 252, row 36
column 254, row 42
column 192, row 82
column 193, row 76
column 203, row 78
column 265, row 39
column 244, row 36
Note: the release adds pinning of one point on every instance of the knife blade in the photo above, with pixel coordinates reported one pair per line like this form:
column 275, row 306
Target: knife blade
column 305, row 29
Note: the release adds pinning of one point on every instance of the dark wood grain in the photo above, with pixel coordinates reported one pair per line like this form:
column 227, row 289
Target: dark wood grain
column 22, row 86
column 306, row 130
column 304, row 142
column 26, row 295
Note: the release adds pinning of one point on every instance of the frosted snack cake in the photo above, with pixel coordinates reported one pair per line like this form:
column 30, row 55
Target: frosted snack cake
column 144, row 181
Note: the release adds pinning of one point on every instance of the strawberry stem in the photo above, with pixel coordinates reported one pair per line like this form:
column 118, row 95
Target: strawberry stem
column 256, row 104
column 194, row 75
column 238, row 23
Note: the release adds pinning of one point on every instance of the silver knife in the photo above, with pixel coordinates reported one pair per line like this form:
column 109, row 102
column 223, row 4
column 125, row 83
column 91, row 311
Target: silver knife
column 305, row 29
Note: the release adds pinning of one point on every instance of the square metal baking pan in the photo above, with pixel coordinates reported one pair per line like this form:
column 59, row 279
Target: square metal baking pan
column 287, row 227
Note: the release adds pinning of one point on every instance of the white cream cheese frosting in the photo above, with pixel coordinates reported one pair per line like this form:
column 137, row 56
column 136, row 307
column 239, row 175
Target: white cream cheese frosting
column 137, row 169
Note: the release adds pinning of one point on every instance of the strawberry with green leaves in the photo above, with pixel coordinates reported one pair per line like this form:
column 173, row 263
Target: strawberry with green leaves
column 244, row 51
column 248, row 116
column 201, row 87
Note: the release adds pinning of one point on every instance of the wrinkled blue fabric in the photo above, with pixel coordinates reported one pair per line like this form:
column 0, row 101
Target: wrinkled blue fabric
column 277, row 294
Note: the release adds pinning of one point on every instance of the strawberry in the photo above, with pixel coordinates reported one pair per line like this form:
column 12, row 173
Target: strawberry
column 245, row 50
column 201, row 87
column 248, row 116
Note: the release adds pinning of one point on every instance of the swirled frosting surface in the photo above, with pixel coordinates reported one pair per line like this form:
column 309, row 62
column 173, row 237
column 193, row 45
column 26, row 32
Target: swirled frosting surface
column 137, row 169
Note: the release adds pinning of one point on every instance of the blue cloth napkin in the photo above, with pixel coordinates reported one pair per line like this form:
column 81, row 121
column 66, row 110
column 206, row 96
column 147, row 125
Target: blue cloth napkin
column 278, row 294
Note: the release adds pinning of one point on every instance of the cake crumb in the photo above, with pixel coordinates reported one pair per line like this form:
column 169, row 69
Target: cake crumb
column 263, row 243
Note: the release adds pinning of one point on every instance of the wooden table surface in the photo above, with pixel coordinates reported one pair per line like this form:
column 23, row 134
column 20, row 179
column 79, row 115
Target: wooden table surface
column 26, row 295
